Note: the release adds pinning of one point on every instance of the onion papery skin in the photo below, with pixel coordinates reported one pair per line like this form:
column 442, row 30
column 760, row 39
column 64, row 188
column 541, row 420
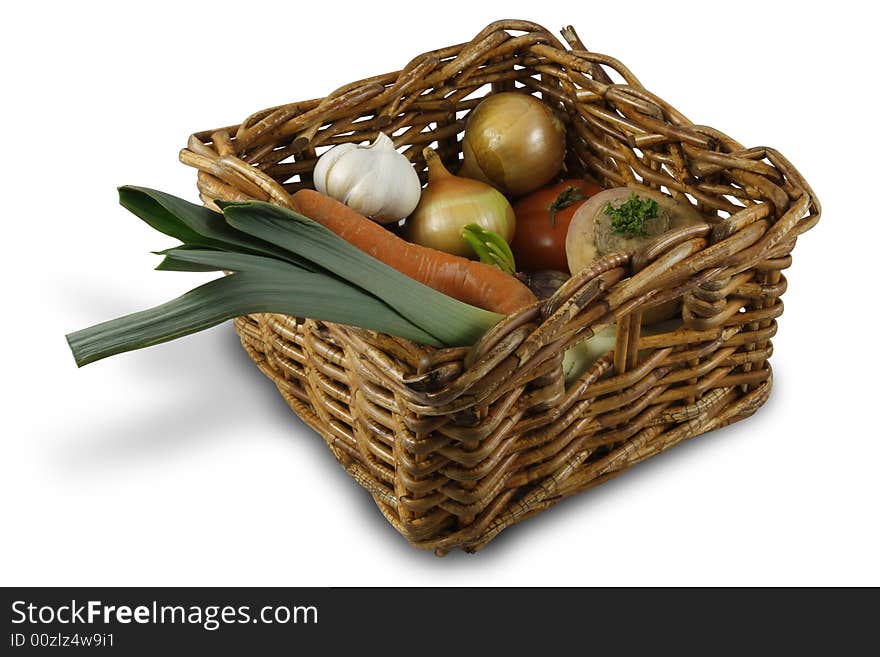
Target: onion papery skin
column 513, row 142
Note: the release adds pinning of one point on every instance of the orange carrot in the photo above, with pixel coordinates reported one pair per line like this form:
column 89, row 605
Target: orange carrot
column 469, row 281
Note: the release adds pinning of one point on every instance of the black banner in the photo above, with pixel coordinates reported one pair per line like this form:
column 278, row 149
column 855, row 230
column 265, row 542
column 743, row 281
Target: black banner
column 413, row 620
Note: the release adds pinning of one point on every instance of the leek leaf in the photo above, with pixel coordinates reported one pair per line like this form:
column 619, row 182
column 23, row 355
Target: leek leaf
column 451, row 321
column 195, row 225
column 237, row 262
column 298, row 293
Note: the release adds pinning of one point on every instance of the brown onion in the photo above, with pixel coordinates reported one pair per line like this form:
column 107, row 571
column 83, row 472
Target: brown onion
column 449, row 203
column 514, row 142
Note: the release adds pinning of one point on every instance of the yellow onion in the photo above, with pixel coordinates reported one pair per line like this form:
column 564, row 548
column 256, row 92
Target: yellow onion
column 514, row 142
column 449, row 203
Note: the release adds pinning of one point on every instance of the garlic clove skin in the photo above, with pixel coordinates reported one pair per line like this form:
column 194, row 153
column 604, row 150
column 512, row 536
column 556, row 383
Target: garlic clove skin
column 325, row 164
column 360, row 195
column 345, row 173
column 373, row 179
column 404, row 194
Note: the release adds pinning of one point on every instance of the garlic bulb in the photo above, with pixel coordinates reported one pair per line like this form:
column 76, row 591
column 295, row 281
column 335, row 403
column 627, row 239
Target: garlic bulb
column 373, row 179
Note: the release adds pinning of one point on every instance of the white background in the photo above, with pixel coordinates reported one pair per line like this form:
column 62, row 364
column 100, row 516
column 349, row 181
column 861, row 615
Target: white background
column 181, row 465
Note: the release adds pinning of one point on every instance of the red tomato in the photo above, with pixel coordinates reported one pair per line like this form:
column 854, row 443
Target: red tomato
column 542, row 220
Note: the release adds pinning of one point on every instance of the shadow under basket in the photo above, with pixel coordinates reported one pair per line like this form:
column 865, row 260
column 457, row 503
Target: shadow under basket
column 456, row 444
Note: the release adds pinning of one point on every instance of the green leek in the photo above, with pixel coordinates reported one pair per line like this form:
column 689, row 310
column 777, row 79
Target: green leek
column 282, row 262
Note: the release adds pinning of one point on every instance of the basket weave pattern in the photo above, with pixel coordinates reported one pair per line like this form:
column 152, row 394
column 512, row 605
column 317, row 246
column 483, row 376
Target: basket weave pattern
column 456, row 444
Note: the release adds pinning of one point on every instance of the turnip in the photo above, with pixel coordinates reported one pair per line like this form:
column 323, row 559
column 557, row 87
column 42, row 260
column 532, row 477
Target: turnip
column 625, row 219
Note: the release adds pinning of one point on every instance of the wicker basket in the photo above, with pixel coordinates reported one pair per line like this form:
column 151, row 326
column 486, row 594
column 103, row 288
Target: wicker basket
column 454, row 445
